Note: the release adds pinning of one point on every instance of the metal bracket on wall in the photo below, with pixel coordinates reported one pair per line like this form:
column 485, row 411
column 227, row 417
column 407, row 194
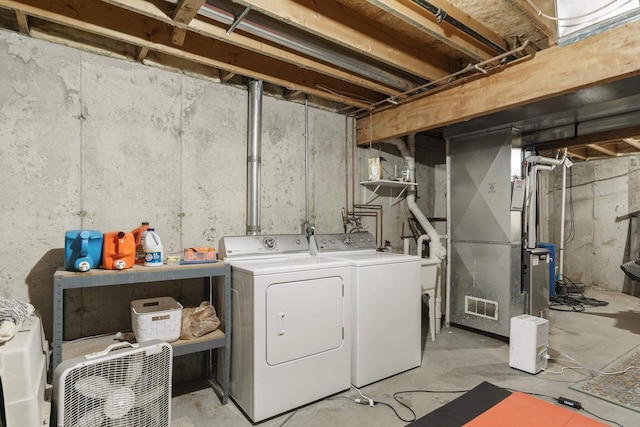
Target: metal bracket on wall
column 385, row 184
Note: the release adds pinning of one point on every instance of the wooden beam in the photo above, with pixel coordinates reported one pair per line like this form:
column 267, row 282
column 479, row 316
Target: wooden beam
column 23, row 22
column 573, row 153
column 187, row 10
column 207, row 29
column 425, row 21
column 632, row 142
column 178, row 36
column 98, row 17
column 328, row 20
column 602, row 58
column 184, row 14
column 225, row 76
column 603, row 150
column 142, row 53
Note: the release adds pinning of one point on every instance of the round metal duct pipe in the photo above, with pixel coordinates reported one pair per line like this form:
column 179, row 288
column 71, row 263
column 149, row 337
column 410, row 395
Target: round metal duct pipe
column 254, row 160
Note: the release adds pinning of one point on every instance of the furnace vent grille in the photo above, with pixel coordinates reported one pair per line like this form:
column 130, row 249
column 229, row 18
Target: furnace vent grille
column 481, row 307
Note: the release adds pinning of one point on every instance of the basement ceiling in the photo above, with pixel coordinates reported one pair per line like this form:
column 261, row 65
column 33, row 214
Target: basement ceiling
column 347, row 56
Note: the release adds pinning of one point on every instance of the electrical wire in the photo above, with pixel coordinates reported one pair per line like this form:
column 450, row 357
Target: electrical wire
column 365, row 400
column 288, row 418
column 574, row 300
column 554, row 400
column 539, row 11
column 572, row 229
column 414, row 416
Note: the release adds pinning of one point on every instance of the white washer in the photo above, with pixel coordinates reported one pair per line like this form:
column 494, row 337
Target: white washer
column 290, row 339
column 386, row 306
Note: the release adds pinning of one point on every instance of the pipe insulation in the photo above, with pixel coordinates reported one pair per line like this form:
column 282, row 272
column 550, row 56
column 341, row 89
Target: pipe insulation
column 254, row 157
column 435, row 245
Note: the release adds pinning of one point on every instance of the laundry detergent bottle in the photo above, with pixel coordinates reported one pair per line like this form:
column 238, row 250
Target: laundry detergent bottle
column 83, row 249
column 153, row 254
column 138, row 235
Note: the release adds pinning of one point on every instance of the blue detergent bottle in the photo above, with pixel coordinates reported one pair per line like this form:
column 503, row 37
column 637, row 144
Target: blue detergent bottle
column 82, row 249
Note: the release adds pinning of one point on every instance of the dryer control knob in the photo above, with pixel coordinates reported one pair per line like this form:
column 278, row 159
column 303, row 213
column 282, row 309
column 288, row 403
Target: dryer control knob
column 269, row 243
column 347, row 240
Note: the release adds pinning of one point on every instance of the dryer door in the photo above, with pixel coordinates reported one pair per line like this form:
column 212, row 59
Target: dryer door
column 304, row 318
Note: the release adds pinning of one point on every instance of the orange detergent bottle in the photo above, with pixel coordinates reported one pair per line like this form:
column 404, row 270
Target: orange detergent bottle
column 138, row 235
column 118, row 251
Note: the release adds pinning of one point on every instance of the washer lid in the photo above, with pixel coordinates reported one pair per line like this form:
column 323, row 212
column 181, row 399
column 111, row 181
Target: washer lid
column 373, row 258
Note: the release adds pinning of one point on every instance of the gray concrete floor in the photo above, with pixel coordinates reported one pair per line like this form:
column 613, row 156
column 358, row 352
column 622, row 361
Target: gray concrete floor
column 460, row 360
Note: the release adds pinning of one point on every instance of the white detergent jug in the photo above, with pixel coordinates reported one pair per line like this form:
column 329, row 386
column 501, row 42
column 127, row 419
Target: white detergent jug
column 152, row 249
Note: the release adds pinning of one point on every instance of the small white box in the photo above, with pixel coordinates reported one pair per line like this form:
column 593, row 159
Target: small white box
column 156, row 318
column 528, row 343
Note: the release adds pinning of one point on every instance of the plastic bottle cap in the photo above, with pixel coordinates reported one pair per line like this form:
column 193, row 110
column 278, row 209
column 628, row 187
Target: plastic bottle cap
column 150, row 229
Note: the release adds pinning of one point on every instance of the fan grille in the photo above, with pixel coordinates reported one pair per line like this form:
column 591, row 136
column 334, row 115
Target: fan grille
column 123, row 388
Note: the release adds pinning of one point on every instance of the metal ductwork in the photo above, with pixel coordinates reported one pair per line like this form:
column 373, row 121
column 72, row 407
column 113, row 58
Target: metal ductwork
column 254, row 160
column 299, row 41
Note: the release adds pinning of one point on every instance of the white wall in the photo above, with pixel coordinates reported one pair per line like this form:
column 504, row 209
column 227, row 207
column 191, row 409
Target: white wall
column 96, row 142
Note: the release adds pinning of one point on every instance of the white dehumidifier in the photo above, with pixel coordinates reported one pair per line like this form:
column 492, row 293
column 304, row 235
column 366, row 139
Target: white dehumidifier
column 528, row 343
column 23, row 377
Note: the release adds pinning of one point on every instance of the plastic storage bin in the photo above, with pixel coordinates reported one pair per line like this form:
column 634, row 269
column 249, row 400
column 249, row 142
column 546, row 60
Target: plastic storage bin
column 156, row 318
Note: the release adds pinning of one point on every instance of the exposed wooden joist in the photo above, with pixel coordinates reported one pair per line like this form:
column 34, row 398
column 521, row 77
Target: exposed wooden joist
column 187, row 10
column 603, row 150
column 225, row 76
column 23, row 22
column 328, row 20
column 574, row 153
column 605, row 57
column 425, row 21
column 207, row 29
column 142, row 53
column 178, row 36
column 100, row 18
column 632, row 142
column 548, row 7
column 184, row 13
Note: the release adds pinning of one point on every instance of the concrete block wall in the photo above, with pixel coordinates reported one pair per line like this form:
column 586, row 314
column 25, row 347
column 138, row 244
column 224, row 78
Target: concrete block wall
column 602, row 193
column 96, row 142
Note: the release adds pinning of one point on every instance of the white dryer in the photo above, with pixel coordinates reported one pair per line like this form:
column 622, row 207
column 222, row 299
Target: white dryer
column 386, row 315
column 290, row 339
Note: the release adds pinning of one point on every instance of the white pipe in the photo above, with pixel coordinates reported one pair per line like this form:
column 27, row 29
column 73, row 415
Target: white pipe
column 562, row 213
column 544, row 160
column 447, row 303
column 435, row 246
column 533, row 182
column 406, row 245
column 421, row 239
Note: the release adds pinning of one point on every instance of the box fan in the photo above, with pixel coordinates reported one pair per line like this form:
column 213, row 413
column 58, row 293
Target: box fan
column 116, row 387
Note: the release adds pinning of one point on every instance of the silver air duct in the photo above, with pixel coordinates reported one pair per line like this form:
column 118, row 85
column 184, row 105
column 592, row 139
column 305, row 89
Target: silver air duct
column 254, row 145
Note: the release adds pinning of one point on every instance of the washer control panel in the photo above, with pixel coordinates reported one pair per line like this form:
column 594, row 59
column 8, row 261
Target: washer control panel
column 345, row 242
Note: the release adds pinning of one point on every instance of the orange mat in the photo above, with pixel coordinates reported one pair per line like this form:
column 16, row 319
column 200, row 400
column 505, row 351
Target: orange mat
column 522, row 410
